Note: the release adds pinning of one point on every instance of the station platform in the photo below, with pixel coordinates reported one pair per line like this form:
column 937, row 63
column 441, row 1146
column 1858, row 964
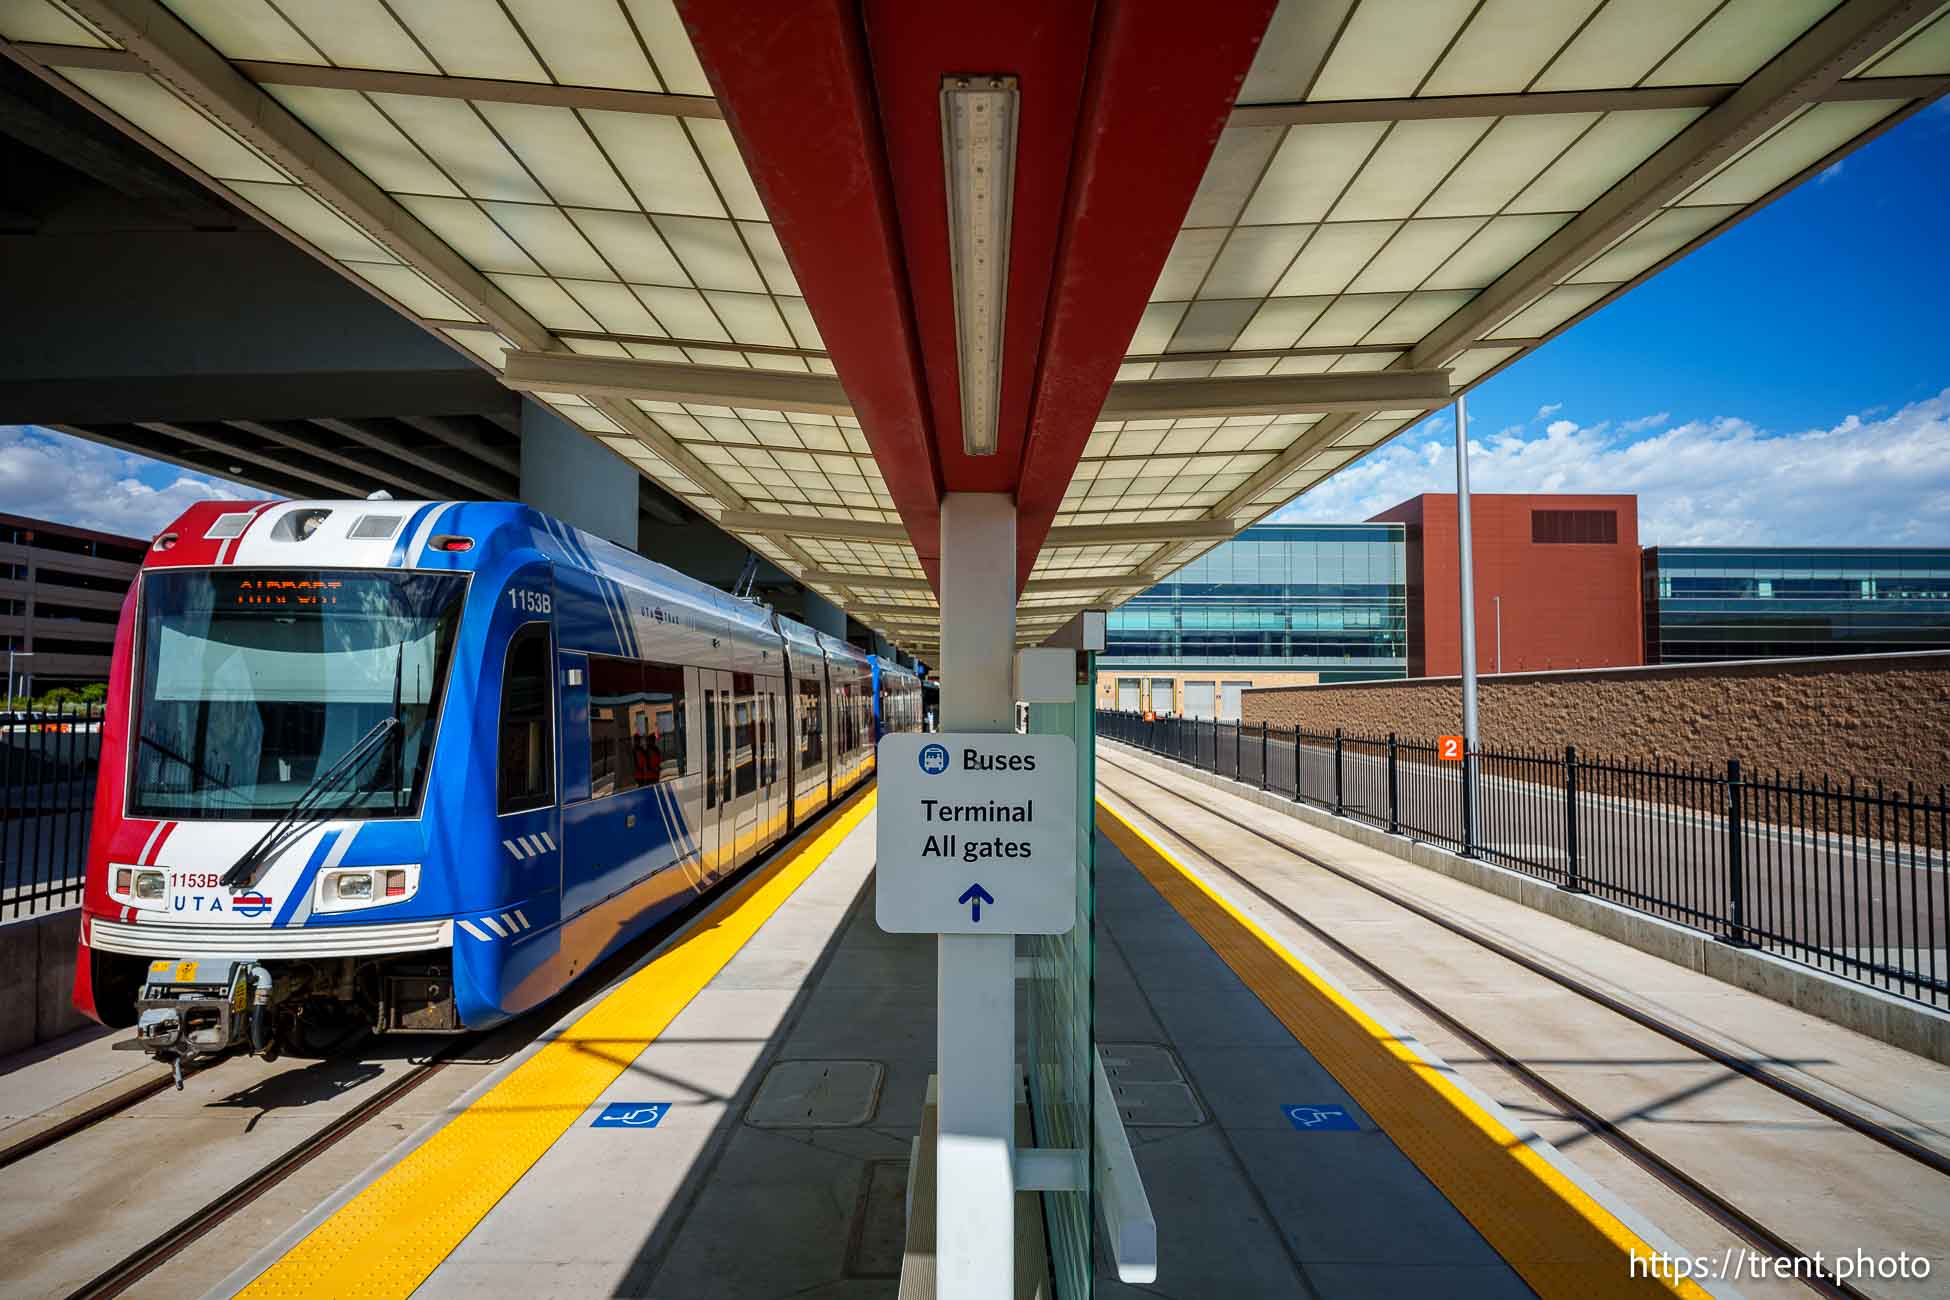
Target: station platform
column 789, row 1074
column 735, row 1116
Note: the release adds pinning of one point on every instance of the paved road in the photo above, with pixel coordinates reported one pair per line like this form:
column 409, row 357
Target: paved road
column 1882, row 904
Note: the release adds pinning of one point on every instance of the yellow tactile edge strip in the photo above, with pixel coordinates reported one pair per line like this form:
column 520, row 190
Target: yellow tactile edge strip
column 390, row 1237
column 1558, row 1239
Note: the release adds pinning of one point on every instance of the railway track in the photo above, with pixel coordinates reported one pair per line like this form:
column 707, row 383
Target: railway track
column 127, row 1273
column 1730, row 1216
column 83, row 1120
column 119, row 1277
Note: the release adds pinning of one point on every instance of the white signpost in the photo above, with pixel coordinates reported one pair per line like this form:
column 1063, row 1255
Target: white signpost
column 977, row 834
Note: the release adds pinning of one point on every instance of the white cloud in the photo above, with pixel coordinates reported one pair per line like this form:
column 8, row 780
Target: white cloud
column 1829, row 173
column 1552, row 409
column 72, row 481
column 1705, row 482
column 1645, row 422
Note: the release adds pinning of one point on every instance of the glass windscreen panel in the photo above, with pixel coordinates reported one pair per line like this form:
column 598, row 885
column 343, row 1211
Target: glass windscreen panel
column 254, row 684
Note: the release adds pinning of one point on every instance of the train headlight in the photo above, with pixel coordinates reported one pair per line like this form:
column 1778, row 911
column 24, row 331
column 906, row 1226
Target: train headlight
column 350, row 888
column 148, row 885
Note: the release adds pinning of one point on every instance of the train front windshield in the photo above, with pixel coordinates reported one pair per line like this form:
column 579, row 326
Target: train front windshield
column 259, row 688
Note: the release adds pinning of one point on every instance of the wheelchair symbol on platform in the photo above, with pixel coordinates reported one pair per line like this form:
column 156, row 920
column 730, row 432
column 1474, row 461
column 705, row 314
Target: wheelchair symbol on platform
column 631, row 1114
column 1320, row 1119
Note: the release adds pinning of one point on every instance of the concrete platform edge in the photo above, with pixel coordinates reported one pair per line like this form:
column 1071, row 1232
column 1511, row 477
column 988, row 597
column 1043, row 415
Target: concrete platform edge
column 1577, row 1175
column 1865, row 1010
column 245, row 1273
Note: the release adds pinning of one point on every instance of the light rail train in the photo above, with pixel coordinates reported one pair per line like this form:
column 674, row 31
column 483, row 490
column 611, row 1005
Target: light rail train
column 417, row 765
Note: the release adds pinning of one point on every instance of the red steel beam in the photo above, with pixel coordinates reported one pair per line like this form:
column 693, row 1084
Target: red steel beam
column 795, row 81
column 1163, row 80
column 1045, row 45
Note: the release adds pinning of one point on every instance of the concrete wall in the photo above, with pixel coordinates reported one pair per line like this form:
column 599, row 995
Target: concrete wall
column 567, row 473
column 1872, row 717
column 821, row 614
column 1107, row 682
column 177, row 303
column 37, row 979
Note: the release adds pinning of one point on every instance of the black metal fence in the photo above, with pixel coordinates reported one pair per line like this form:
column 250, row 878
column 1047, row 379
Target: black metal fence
column 1840, row 876
column 47, row 796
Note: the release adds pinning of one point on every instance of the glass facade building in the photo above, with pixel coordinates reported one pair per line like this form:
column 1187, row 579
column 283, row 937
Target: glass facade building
column 1330, row 598
column 1705, row 603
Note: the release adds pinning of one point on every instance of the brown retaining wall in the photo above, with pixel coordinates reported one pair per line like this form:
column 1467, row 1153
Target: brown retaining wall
column 1872, row 717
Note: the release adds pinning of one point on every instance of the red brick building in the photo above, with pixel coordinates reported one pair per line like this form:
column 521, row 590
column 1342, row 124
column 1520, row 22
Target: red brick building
column 1566, row 568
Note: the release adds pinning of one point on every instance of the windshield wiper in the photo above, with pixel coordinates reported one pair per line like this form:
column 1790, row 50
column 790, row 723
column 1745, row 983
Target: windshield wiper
column 297, row 818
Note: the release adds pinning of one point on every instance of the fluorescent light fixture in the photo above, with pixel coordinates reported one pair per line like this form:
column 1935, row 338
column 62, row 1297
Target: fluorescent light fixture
column 978, row 140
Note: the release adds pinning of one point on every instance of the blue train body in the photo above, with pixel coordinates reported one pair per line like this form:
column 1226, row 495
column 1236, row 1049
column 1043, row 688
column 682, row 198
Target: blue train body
column 573, row 741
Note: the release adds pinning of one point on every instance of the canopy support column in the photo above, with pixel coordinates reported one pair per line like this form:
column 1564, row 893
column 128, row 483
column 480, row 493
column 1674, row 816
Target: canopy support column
column 976, row 1002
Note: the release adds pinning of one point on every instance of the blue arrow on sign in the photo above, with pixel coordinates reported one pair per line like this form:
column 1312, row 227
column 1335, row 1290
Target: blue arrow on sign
column 977, row 896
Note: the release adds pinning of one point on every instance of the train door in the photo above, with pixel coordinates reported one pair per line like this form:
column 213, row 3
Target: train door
column 740, row 734
column 771, row 772
column 829, row 697
column 715, row 845
column 527, row 802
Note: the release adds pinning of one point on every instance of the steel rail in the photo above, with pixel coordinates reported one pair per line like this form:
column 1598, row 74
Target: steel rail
column 153, row 1254
column 1903, row 1145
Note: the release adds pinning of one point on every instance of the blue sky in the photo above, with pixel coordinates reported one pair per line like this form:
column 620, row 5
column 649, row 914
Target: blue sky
column 1787, row 384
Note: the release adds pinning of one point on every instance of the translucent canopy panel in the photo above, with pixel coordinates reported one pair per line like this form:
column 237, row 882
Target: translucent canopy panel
column 1411, row 184
column 1407, row 185
column 501, row 218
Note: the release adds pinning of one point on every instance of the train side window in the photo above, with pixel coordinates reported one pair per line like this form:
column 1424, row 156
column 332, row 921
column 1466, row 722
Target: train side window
column 745, row 749
column 657, row 731
column 527, row 758
column 743, row 737
column 811, row 741
column 710, row 749
column 772, row 750
column 615, row 695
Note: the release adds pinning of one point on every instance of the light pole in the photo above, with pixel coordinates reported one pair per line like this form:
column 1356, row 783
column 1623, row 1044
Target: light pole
column 13, row 654
column 1466, row 564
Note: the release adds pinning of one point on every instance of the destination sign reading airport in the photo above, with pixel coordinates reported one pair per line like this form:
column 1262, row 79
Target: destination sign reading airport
column 977, row 834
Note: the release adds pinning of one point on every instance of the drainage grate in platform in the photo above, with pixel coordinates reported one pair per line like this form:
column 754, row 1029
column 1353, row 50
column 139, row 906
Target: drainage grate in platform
column 1150, row 1086
column 817, row 1094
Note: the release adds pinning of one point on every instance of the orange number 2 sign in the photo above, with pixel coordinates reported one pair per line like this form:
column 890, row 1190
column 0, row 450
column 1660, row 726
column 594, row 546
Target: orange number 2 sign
column 1449, row 748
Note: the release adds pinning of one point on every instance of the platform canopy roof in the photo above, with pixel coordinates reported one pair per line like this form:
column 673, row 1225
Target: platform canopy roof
column 1246, row 243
